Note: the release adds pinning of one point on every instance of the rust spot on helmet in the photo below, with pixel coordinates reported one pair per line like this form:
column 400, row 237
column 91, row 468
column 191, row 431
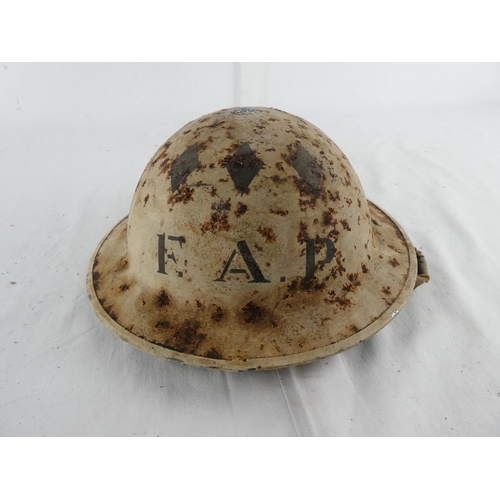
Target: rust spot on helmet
column 349, row 287
column 218, row 222
column 353, row 278
column 305, row 284
column 162, row 154
column 394, row 262
column 267, row 233
column 342, row 302
column 188, row 336
column 334, row 231
column 279, row 212
column 162, row 299
column 164, row 167
column 345, row 224
column 306, row 190
column 386, row 290
column 222, row 206
column 218, row 314
column 216, row 123
column 303, row 235
column 277, row 179
column 334, row 196
column 353, row 283
column 110, row 312
column 241, row 208
column 213, row 353
column 252, row 313
column 327, row 218
column 124, row 287
column 164, row 325
column 184, row 195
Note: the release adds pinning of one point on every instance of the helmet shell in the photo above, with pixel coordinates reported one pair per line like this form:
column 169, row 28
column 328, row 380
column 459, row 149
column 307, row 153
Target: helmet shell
column 250, row 244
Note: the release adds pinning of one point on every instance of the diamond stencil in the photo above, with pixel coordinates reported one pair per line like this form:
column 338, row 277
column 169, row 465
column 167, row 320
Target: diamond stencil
column 243, row 167
column 183, row 166
column 307, row 167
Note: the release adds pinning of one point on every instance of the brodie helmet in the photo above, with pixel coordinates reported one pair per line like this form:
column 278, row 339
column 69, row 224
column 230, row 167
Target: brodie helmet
column 249, row 245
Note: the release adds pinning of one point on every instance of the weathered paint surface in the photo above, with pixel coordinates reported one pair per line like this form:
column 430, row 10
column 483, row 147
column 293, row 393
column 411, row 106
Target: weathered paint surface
column 250, row 239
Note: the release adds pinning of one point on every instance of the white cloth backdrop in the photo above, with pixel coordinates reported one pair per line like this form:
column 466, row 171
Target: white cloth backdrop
column 425, row 142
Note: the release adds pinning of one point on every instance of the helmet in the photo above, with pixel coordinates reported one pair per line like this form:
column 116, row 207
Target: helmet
column 249, row 245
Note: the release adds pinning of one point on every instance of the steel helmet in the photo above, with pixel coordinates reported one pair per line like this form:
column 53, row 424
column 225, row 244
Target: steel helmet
column 250, row 245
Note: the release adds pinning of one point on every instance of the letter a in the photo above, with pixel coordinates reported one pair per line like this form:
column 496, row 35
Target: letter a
column 251, row 263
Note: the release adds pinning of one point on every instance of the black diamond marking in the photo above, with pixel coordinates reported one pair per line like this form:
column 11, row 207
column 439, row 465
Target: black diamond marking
column 184, row 165
column 243, row 167
column 307, row 167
